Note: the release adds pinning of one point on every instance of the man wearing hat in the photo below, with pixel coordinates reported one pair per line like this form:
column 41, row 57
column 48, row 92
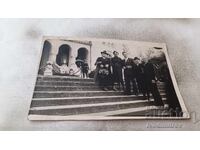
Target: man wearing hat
column 129, row 74
column 103, row 71
column 117, row 65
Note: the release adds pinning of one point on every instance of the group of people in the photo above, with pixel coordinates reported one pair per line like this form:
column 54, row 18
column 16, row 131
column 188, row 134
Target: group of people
column 132, row 75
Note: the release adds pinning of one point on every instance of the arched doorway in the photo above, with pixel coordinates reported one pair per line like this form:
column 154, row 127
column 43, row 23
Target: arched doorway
column 45, row 56
column 82, row 57
column 82, row 54
column 63, row 55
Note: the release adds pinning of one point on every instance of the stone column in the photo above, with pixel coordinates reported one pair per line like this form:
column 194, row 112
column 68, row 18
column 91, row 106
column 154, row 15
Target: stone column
column 52, row 58
column 90, row 57
column 72, row 58
column 73, row 54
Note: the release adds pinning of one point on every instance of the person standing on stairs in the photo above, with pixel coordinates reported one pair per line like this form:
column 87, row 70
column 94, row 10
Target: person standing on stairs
column 79, row 63
column 85, row 68
column 129, row 74
column 140, row 77
column 103, row 71
column 150, row 79
column 117, row 65
column 172, row 99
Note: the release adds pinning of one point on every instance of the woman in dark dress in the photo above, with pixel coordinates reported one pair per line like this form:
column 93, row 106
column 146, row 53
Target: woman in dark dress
column 103, row 71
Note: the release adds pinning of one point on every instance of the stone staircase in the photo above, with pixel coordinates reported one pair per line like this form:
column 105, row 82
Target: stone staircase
column 71, row 98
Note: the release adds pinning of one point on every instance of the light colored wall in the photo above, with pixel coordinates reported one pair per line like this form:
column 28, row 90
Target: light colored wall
column 56, row 43
column 20, row 44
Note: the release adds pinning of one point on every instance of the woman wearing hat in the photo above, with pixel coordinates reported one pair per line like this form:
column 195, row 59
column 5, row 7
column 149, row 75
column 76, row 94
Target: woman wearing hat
column 103, row 71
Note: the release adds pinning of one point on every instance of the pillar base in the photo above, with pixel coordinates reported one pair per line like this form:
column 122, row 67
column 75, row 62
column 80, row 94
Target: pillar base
column 48, row 73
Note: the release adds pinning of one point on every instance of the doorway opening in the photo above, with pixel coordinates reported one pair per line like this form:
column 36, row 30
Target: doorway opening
column 63, row 55
column 82, row 54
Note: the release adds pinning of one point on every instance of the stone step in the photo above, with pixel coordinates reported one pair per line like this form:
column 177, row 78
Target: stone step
column 65, row 83
column 53, row 94
column 63, row 78
column 71, row 78
column 86, row 105
column 71, row 81
column 38, row 102
column 74, row 84
column 66, row 88
column 92, row 108
column 146, row 113
column 106, row 115
column 72, row 88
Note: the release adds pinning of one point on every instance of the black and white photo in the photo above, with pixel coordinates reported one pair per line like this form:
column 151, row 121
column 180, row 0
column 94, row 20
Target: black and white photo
column 103, row 79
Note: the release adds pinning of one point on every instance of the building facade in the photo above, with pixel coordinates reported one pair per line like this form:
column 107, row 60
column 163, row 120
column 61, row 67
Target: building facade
column 59, row 56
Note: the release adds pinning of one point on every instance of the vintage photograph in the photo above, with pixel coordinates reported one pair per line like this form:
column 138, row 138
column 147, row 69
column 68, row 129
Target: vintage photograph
column 105, row 79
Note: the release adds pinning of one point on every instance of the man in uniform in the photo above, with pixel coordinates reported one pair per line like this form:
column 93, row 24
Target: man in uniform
column 129, row 75
column 103, row 71
column 150, row 80
column 117, row 66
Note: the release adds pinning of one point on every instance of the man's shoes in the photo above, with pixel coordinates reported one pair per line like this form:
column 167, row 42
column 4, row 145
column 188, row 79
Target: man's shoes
column 115, row 89
column 144, row 98
column 136, row 94
column 127, row 93
column 105, row 89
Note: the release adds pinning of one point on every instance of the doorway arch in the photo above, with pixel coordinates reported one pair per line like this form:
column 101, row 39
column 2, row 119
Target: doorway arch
column 82, row 53
column 63, row 55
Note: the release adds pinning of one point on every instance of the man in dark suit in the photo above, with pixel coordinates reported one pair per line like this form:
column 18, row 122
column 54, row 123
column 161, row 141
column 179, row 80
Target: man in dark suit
column 140, row 76
column 117, row 65
column 150, row 80
column 129, row 74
